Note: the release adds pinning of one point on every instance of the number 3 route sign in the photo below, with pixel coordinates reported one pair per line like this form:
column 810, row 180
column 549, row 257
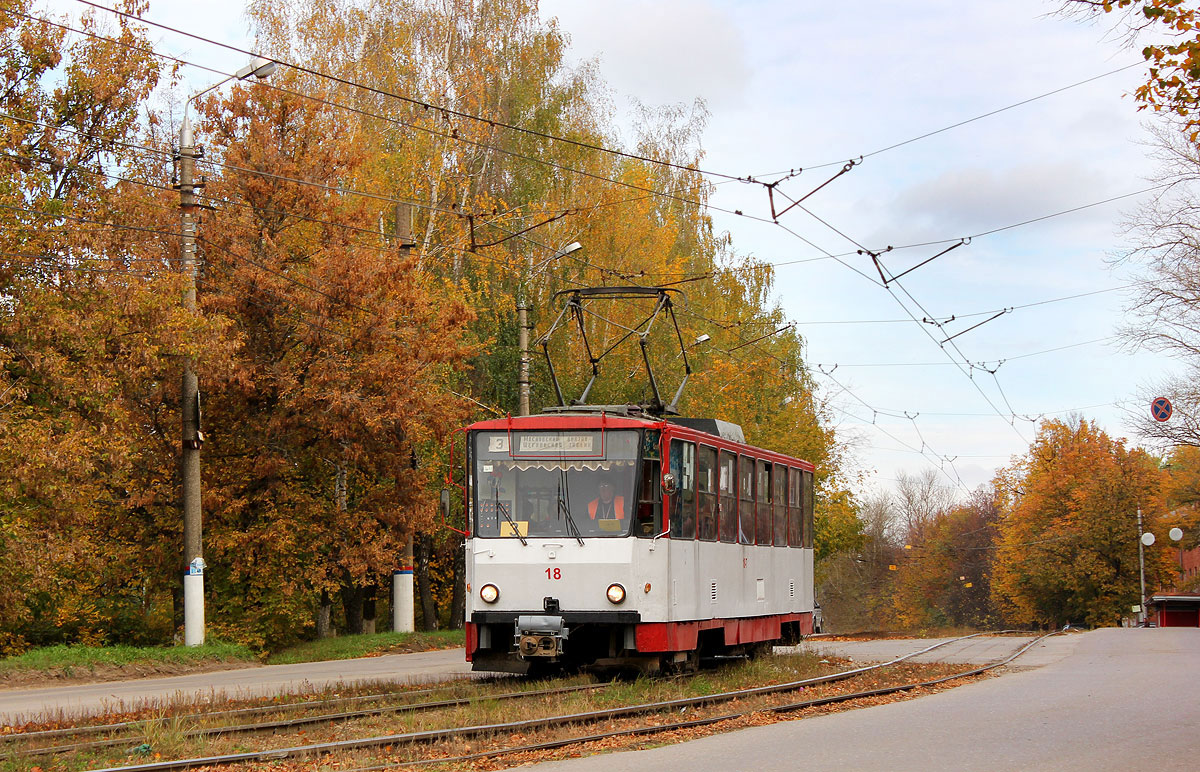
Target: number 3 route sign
column 1160, row 409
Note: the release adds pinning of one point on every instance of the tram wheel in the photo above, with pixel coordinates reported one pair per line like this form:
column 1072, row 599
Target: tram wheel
column 680, row 662
column 760, row 649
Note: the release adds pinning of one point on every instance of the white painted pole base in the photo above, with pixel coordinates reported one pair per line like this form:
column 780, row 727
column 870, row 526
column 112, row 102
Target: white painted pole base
column 403, row 611
column 193, row 609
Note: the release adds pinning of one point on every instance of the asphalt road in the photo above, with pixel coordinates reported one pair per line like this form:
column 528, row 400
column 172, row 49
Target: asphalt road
column 1112, row 699
column 982, row 650
column 20, row 704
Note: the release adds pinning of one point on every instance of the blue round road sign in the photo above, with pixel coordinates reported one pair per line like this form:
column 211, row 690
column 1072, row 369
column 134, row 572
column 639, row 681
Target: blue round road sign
column 1160, row 409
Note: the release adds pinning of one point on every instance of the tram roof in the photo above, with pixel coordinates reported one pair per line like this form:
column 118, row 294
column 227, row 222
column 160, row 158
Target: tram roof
column 710, row 431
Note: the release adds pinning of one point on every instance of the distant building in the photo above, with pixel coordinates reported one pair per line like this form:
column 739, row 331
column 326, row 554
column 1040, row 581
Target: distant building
column 1173, row 607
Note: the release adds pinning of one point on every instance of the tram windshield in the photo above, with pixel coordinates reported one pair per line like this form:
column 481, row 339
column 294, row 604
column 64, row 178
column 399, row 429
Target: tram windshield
column 570, row 483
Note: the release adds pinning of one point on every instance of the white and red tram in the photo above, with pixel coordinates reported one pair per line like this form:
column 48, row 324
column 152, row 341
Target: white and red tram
column 607, row 537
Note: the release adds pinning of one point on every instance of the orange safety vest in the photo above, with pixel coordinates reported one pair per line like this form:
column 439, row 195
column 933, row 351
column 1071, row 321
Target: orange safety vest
column 618, row 507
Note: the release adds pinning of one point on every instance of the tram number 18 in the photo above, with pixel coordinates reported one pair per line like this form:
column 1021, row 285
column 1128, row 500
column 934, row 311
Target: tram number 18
column 554, row 573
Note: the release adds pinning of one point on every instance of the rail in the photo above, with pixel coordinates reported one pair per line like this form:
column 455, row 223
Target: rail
column 608, row 714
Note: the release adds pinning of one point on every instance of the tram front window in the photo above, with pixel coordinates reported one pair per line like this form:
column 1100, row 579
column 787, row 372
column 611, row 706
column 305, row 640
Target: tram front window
column 560, row 483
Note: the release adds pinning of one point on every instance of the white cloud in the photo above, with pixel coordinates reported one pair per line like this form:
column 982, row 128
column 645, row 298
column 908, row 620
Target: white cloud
column 660, row 51
column 974, row 199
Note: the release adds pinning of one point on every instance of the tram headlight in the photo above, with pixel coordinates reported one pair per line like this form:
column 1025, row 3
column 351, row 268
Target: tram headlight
column 615, row 593
column 489, row 593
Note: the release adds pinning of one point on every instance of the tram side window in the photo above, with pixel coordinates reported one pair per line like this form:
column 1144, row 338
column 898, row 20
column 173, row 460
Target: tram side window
column 806, row 503
column 746, row 494
column 795, row 513
column 706, row 492
column 683, row 503
column 727, row 503
column 762, row 489
column 779, row 504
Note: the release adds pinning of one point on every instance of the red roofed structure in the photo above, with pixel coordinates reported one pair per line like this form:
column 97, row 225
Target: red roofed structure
column 1172, row 607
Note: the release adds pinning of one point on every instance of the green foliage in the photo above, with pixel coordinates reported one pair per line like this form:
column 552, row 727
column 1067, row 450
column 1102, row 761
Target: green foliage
column 836, row 525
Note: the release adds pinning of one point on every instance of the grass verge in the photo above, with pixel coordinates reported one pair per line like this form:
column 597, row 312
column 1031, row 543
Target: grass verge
column 65, row 658
column 76, row 664
column 351, row 646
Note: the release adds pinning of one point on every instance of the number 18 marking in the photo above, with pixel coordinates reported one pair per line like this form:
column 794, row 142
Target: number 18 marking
column 554, row 573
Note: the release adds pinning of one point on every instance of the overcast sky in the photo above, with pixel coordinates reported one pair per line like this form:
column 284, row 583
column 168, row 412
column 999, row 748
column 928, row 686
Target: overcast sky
column 799, row 84
column 794, row 85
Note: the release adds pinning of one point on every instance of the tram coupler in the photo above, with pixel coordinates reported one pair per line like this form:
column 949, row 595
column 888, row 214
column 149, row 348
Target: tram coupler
column 540, row 636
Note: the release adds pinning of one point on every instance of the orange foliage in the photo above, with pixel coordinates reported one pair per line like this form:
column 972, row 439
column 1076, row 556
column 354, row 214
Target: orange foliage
column 1068, row 549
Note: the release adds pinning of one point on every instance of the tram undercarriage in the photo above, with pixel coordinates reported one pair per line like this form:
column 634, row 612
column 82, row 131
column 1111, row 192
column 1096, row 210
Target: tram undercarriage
column 533, row 644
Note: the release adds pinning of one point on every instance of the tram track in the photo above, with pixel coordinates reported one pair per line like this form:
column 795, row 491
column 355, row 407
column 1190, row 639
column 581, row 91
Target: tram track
column 270, row 726
column 644, row 731
column 284, row 707
column 434, row 736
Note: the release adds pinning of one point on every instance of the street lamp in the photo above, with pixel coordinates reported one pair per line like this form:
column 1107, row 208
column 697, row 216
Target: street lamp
column 1176, row 535
column 193, row 437
column 523, row 319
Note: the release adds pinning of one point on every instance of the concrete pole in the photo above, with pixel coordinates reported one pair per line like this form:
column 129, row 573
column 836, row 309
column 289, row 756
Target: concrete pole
column 523, row 371
column 192, row 439
column 404, row 619
column 523, row 324
column 403, row 609
column 523, row 335
column 1141, row 568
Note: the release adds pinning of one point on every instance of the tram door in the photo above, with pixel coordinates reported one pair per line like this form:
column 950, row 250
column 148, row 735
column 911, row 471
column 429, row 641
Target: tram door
column 649, row 521
column 681, row 561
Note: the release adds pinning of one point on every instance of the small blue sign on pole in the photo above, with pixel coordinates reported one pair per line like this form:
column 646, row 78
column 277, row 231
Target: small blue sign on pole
column 1161, row 409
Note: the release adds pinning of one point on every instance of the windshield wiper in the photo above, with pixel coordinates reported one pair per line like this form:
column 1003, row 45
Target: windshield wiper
column 502, row 508
column 565, row 510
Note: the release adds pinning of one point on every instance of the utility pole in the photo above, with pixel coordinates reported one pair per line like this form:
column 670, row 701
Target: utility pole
column 1141, row 567
column 403, row 610
column 192, row 437
column 523, row 325
column 523, row 335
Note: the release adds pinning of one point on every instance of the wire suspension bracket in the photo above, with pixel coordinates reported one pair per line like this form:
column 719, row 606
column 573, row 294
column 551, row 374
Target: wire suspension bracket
column 770, row 186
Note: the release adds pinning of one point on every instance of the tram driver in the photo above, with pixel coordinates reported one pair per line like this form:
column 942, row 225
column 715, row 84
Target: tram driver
column 606, row 505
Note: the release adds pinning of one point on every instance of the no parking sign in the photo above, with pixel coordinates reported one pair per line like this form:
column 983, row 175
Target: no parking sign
column 1161, row 409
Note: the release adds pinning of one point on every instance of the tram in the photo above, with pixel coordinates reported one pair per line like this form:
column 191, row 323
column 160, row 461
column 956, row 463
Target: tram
column 614, row 537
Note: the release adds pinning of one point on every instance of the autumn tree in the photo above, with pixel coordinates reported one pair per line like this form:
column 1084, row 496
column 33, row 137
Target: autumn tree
column 1068, row 529
column 1182, row 491
column 943, row 578
column 490, row 66
column 333, row 356
column 337, row 387
column 91, row 336
column 855, row 583
column 1170, row 32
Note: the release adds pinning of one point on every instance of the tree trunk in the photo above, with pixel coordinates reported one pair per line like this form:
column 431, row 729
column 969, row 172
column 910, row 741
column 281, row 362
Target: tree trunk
column 324, row 612
column 352, row 592
column 422, row 548
column 458, row 598
column 177, row 611
column 352, row 602
column 369, row 592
